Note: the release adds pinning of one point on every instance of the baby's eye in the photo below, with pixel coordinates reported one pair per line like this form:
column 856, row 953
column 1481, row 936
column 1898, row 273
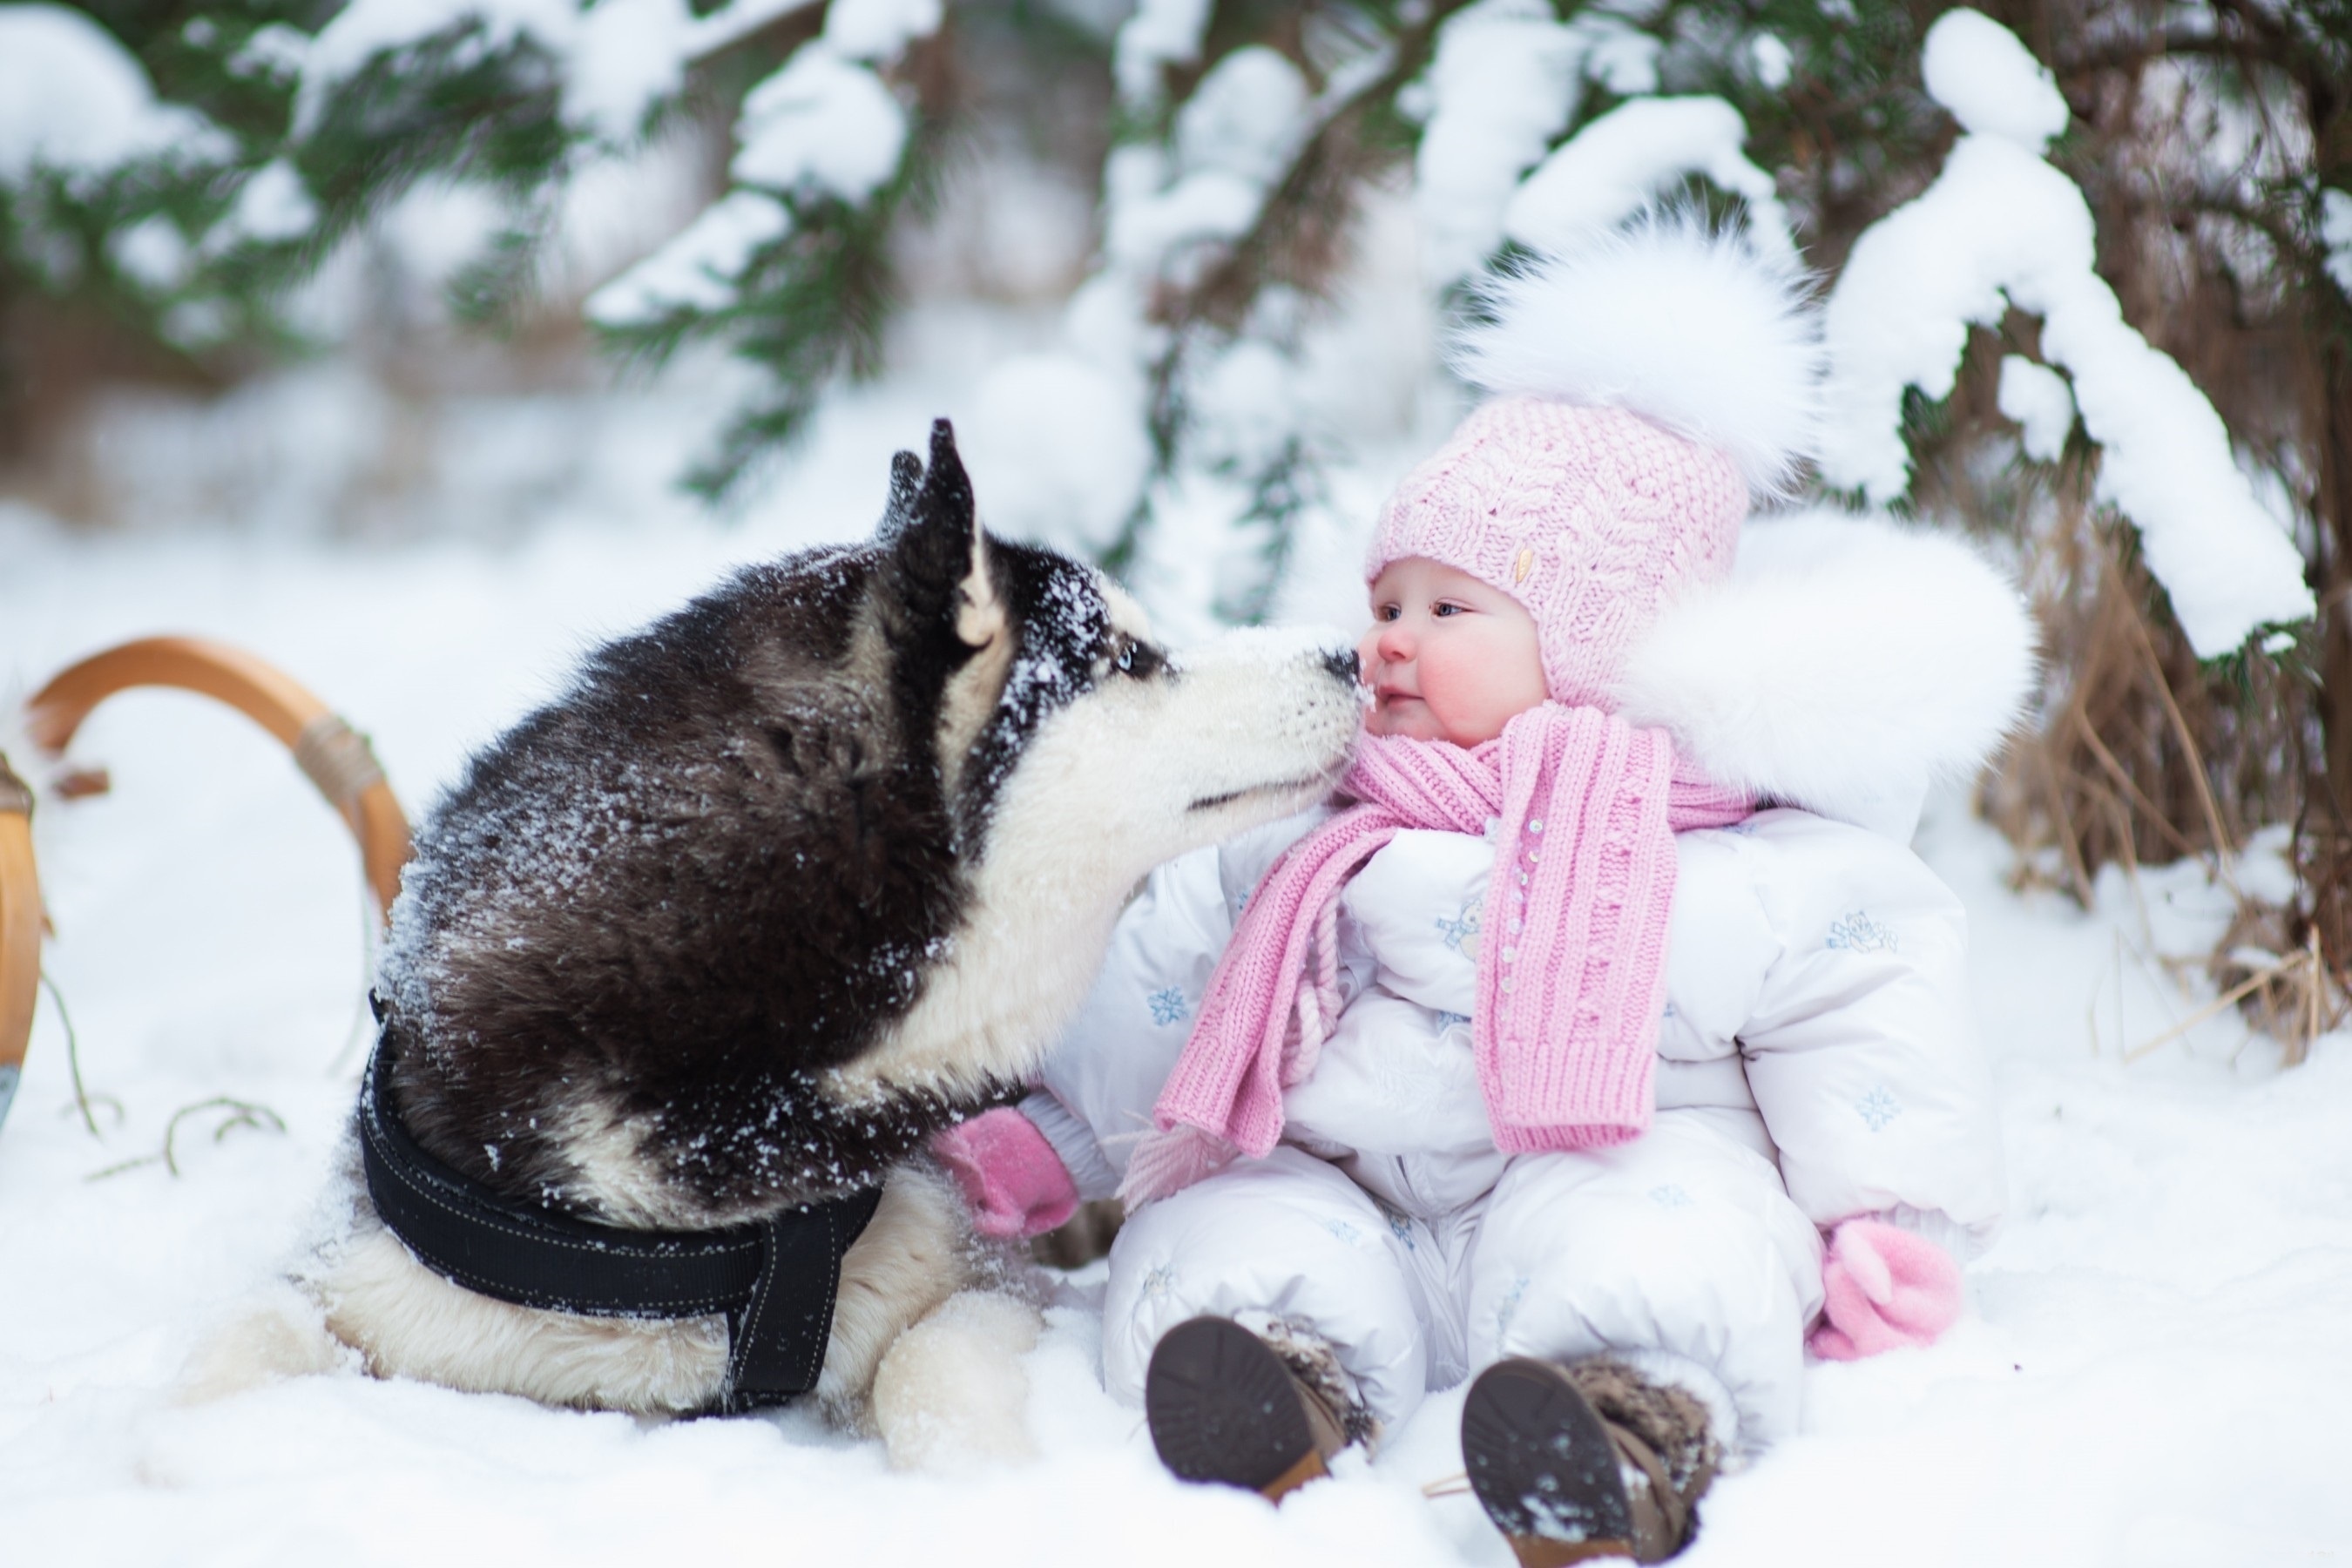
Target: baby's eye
column 1445, row 609
column 1387, row 613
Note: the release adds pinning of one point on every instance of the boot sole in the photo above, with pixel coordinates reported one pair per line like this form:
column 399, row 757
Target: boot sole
column 1542, row 1467
column 1223, row 1408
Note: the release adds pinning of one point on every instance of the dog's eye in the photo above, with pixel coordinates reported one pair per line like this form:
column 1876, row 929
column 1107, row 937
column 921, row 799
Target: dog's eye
column 1136, row 660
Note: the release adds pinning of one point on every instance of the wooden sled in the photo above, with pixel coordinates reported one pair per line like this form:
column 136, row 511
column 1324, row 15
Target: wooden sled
column 20, row 930
column 330, row 753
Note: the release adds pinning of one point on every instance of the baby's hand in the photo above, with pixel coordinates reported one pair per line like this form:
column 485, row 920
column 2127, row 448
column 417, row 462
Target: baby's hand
column 1010, row 1175
column 1887, row 1288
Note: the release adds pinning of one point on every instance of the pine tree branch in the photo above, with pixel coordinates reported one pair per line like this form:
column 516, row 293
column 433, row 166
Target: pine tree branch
column 745, row 19
column 1224, row 292
column 2134, row 53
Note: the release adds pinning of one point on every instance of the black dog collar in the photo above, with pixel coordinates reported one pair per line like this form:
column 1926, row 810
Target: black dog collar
column 773, row 1279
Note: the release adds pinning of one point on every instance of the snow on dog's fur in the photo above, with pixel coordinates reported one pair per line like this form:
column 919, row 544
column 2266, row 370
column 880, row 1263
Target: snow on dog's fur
column 785, row 883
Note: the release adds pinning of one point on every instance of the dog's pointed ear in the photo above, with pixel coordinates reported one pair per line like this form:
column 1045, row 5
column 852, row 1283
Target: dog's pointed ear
column 938, row 563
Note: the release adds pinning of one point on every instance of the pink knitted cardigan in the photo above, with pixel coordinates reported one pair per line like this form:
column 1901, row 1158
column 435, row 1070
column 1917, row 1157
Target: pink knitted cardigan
column 1571, row 970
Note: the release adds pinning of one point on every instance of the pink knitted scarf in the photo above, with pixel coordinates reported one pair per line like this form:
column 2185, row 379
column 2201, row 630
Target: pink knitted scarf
column 1572, row 969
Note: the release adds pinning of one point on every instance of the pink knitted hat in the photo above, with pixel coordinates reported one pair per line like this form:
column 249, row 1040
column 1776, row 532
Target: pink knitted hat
column 1643, row 389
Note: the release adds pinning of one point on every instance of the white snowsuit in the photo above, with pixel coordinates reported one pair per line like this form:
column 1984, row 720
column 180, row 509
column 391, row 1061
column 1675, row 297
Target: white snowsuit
column 1815, row 1063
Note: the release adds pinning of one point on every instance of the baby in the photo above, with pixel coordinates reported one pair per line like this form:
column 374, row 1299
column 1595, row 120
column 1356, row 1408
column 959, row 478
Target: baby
column 1607, row 1042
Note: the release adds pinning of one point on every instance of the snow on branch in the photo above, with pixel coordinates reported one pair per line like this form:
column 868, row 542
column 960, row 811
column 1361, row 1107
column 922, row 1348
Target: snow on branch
column 698, row 270
column 1625, row 159
column 616, row 58
column 1234, row 138
column 2335, row 233
column 367, row 30
column 822, row 126
column 2002, row 227
column 1505, row 80
column 73, row 100
column 1503, row 84
column 1161, row 34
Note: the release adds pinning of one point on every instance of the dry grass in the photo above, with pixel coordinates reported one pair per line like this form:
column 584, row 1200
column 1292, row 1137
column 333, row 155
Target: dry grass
column 2141, row 755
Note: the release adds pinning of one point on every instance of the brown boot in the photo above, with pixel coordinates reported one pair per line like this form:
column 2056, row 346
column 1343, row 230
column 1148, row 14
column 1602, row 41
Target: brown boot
column 1586, row 1460
column 1225, row 1406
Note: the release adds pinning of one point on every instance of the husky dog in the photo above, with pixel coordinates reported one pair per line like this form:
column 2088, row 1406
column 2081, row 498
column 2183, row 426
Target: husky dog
column 784, row 884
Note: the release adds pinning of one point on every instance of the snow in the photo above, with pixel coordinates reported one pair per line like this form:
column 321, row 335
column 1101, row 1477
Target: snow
column 1619, row 55
column 1212, row 204
column 628, row 54
column 1062, row 445
column 152, row 253
column 1628, row 158
column 2335, row 233
column 616, row 58
column 2171, row 1278
column 1233, row 139
column 274, row 50
column 2001, row 227
column 1244, row 117
column 2039, row 399
column 1504, row 83
column 879, row 30
column 1245, row 407
column 698, row 270
column 1159, row 34
column 273, row 204
column 822, row 124
column 74, row 101
column 1993, row 84
column 1504, row 80
column 366, row 28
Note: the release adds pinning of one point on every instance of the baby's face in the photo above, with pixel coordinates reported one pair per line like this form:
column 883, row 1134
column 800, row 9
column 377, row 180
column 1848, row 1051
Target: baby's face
column 1448, row 657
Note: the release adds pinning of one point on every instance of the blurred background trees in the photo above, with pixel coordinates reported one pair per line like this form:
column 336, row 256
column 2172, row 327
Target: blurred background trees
column 1237, row 226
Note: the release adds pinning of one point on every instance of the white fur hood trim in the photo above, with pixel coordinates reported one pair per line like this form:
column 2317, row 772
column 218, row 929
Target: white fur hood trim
column 1693, row 328
column 1844, row 666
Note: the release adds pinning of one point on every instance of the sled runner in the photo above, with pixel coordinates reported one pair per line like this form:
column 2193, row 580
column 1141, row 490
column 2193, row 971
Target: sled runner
column 20, row 930
column 330, row 753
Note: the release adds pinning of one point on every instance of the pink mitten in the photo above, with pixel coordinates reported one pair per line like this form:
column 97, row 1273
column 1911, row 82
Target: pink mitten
column 1015, row 1181
column 1887, row 1288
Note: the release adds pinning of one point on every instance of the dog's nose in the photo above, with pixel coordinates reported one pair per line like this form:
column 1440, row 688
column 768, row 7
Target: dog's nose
column 1343, row 665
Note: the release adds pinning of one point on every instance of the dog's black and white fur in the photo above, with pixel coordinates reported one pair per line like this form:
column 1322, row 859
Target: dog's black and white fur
column 784, row 884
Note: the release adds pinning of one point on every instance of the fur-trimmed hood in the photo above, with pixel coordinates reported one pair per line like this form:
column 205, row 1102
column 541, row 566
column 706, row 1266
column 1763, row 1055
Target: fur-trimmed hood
column 1844, row 666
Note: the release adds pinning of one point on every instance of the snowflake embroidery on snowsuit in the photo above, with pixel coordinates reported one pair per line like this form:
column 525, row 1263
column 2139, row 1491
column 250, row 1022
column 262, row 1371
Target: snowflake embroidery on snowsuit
column 1508, row 1306
column 1857, row 932
column 1670, row 1196
column 1167, row 1007
column 1878, row 1107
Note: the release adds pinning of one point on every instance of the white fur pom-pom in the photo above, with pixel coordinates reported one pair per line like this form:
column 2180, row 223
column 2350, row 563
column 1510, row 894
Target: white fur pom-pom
column 1692, row 327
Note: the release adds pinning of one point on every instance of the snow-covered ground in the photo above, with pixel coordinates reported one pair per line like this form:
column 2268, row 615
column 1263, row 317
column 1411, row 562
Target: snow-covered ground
column 2156, row 1370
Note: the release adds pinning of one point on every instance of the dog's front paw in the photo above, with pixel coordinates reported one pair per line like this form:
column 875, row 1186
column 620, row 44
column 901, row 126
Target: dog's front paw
column 951, row 1393
column 280, row 1333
